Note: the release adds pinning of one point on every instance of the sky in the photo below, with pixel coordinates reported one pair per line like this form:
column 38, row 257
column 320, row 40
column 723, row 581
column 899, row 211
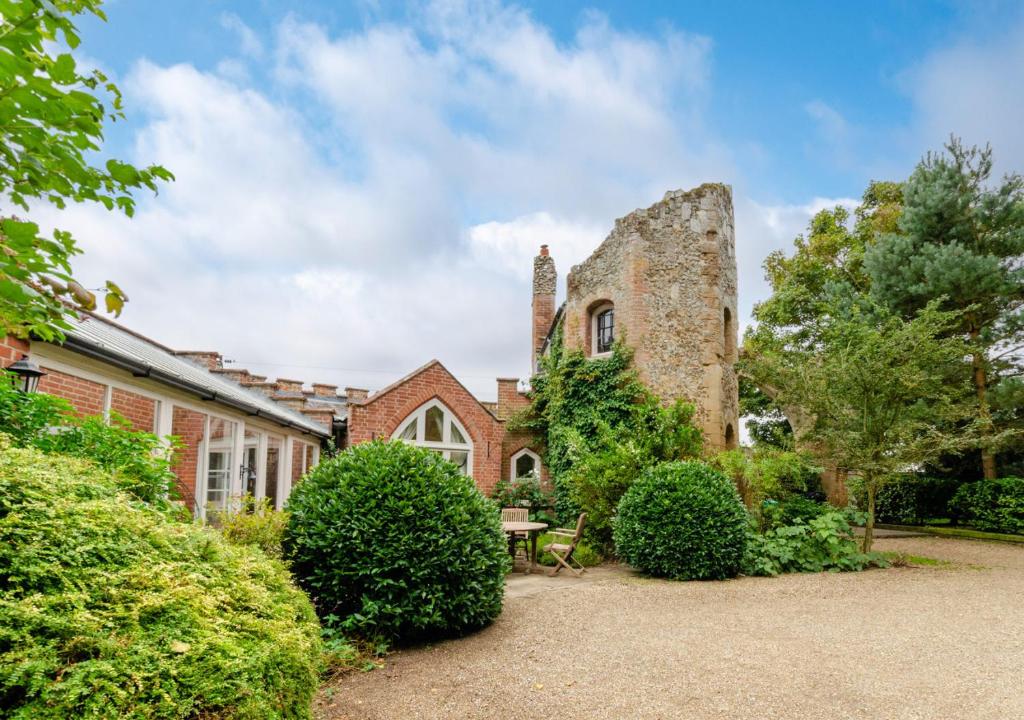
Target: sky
column 361, row 187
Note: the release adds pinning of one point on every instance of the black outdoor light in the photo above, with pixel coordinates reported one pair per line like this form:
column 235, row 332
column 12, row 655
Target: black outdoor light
column 28, row 374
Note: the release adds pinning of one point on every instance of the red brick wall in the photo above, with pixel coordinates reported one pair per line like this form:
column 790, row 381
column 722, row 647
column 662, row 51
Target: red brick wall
column 380, row 415
column 298, row 464
column 84, row 395
column 188, row 425
column 139, row 410
column 11, row 349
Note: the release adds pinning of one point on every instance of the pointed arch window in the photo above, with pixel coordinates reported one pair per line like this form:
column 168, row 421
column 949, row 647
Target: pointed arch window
column 435, row 427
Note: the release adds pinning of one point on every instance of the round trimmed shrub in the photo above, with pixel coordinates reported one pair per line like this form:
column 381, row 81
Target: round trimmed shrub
column 392, row 542
column 108, row 608
column 684, row 521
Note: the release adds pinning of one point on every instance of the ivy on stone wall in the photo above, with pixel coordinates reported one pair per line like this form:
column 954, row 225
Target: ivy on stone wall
column 581, row 406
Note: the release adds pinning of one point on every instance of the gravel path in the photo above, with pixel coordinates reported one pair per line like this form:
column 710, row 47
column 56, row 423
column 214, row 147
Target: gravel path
column 927, row 643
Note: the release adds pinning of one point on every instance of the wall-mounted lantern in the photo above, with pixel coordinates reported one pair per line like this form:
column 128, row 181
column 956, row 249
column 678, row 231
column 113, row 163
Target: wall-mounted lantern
column 28, row 374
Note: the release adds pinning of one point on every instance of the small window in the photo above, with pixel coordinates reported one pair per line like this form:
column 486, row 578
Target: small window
column 603, row 329
column 525, row 463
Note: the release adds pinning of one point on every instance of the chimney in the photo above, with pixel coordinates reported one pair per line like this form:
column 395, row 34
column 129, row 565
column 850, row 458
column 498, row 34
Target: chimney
column 203, row 358
column 356, row 394
column 509, row 399
column 545, row 278
column 325, row 390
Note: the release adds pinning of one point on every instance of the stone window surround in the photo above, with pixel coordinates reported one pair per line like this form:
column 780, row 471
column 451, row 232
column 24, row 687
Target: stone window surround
column 515, row 457
column 596, row 312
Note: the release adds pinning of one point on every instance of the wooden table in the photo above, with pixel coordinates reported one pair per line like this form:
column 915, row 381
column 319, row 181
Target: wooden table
column 533, row 528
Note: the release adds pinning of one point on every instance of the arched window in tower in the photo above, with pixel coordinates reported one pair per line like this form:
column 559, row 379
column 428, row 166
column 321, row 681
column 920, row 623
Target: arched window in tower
column 602, row 329
column 729, row 341
column 435, row 427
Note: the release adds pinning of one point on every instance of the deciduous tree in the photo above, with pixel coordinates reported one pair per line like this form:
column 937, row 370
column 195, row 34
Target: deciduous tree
column 52, row 114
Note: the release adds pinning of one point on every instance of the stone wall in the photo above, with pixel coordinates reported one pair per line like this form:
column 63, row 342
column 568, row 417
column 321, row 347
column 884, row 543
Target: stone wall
column 670, row 272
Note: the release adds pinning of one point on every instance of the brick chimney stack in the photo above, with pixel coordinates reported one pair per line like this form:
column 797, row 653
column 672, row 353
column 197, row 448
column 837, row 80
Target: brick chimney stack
column 545, row 278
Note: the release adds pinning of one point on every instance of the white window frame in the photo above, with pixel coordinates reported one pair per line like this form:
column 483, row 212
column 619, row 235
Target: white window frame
column 594, row 315
column 446, row 446
column 512, row 463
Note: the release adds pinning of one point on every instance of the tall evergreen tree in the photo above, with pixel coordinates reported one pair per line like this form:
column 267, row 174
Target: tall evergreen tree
column 961, row 239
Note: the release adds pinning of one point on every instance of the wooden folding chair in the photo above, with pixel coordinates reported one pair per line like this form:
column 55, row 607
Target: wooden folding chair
column 517, row 514
column 562, row 552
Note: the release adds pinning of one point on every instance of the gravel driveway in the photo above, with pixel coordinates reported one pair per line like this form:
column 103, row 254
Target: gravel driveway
column 928, row 643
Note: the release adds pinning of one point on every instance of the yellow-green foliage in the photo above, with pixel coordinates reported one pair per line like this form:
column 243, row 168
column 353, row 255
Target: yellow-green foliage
column 257, row 524
column 109, row 609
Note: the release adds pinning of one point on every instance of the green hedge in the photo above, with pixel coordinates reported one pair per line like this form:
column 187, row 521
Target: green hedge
column 992, row 505
column 392, row 542
column 109, row 609
column 684, row 521
column 909, row 499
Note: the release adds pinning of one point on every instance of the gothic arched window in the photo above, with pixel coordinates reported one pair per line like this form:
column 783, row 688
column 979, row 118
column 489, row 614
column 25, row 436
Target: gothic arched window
column 435, row 427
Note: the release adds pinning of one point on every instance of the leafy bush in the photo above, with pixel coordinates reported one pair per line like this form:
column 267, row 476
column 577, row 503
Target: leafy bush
column 768, row 473
column 682, row 520
column 525, row 492
column 584, row 554
column 992, row 505
column 391, row 541
column 908, row 499
column 600, row 476
column 256, row 524
column 791, row 511
column 580, row 406
column 110, row 609
column 824, row 542
column 139, row 462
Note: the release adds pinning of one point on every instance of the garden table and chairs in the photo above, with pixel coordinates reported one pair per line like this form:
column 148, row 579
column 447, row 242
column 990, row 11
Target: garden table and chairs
column 516, row 524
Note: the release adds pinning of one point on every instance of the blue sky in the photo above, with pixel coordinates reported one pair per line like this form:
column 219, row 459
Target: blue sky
column 374, row 177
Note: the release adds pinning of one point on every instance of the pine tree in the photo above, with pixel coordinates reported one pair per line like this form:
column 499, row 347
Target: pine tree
column 961, row 239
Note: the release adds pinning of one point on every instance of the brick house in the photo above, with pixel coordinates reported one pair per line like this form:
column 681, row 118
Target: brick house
column 235, row 439
column 664, row 280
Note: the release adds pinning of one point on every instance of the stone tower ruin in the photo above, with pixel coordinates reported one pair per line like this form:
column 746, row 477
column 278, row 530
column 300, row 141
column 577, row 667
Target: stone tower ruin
column 668, row 275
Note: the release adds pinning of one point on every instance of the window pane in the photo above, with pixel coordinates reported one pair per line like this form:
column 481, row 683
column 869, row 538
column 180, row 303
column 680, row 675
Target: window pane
column 460, row 458
column 409, row 433
column 219, row 462
column 273, row 469
column 605, row 331
column 457, row 436
column 249, row 468
column 434, row 424
column 525, row 465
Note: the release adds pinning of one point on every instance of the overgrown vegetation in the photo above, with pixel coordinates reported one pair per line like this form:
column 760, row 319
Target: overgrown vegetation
column 683, row 521
column 139, row 462
column 108, row 608
column 601, row 428
column 392, row 542
column 767, row 473
column 255, row 523
column 808, row 544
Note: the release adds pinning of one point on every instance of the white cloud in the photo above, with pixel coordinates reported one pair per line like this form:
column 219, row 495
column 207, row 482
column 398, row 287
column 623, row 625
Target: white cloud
column 249, row 42
column 973, row 89
column 382, row 205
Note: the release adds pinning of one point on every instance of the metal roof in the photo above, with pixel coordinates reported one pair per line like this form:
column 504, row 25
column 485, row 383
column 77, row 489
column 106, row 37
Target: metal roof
column 104, row 340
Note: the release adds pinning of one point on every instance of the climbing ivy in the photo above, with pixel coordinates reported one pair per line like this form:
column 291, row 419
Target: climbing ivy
column 584, row 409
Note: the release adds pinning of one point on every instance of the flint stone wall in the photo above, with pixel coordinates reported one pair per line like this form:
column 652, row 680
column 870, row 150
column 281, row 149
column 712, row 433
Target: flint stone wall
column 670, row 271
